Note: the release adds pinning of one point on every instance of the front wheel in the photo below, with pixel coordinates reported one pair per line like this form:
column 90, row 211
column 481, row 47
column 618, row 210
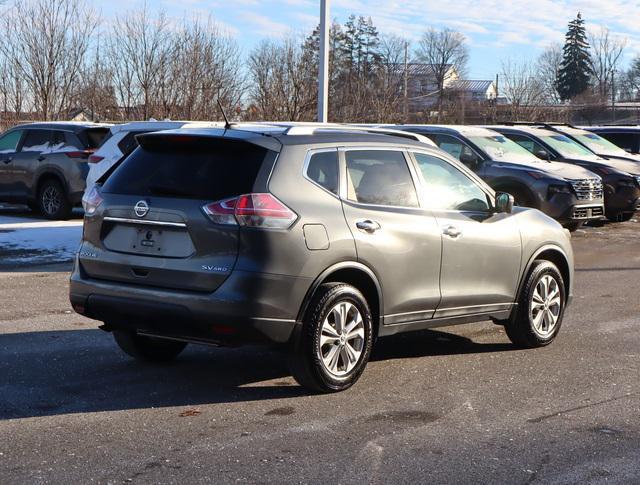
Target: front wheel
column 335, row 340
column 149, row 349
column 540, row 308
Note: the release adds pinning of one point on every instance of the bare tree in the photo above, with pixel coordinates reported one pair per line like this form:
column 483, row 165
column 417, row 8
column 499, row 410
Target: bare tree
column 47, row 45
column 443, row 50
column 523, row 89
column 281, row 82
column 547, row 67
column 606, row 54
column 139, row 50
column 389, row 81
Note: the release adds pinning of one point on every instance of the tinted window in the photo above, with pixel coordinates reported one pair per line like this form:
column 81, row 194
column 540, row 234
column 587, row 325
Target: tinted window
column 626, row 141
column 453, row 146
column 380, row 177
column 207, row 169
column 36, row 141
column 447, row 188
column 128, row 142
column 9, row 142
column 93, row 137
column 527, row 143
column 323, row 170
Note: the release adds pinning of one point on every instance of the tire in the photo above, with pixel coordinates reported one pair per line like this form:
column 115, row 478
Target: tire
column 526, row 329
column 621, row 217
column 53, row 202
column 148, row 349
column 574, row 226
column 327, row 366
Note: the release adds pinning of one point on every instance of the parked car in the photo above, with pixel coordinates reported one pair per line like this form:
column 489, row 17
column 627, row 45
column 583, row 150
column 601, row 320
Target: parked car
column 626, row 137
column 319, row 241
column 597, row 144
column 44, row 165
column 121, row 141
column 621, row 177
column 570, row 194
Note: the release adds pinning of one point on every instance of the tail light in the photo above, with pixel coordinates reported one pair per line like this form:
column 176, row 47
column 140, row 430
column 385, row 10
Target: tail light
column 83, row 154
column 251, row 210
column 91, row 201
column 95, row 159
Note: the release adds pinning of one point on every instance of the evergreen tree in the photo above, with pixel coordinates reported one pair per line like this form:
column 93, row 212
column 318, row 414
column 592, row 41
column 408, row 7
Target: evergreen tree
column 575, row 71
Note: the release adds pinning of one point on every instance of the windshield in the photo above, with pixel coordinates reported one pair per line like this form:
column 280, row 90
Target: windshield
column 567, row 147
column 499, row 147
column 600, row 145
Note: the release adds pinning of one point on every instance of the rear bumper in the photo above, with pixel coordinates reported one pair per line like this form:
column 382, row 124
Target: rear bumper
column 247, row 307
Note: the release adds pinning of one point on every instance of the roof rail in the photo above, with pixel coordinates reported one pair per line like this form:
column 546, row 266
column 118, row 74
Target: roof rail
column 309, row 128
column 545, row 124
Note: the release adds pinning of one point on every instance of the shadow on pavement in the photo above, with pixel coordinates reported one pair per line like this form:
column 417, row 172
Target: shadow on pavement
column 51, row 373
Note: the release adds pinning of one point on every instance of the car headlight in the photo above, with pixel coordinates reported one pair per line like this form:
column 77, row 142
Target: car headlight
column 559, row 189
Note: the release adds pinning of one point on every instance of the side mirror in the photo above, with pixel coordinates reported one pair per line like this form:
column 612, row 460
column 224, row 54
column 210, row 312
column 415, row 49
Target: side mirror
column 543, row 154
column 504, row 203
column 469, row 159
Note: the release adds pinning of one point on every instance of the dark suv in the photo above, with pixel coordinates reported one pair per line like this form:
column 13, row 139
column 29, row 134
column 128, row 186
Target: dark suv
column 626, row 137
column 569, row 194
column 621, row 177
column 317, row 240
column 44, row 165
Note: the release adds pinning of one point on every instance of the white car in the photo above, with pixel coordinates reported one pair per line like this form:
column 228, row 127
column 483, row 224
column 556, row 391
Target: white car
column 121, row 141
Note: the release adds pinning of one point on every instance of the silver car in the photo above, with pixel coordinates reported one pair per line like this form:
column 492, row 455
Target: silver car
column 317, row 240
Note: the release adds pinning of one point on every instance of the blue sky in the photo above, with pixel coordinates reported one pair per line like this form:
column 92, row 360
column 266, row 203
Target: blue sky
column 496, row 30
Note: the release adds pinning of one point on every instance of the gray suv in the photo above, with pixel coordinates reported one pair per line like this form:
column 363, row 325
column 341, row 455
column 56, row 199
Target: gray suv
column 44, row 165
column 316, row 240
column 571, row 195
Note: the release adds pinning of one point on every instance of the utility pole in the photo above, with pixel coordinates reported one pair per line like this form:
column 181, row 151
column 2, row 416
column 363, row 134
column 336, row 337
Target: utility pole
column 406, row 82
column 613, row 95
column 323, row 74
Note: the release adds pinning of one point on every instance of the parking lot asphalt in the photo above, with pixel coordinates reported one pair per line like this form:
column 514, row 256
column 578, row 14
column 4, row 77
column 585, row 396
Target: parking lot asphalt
column 456, row 405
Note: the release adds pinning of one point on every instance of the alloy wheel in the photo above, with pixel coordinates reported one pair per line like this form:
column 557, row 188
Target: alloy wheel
column 341, row 339
column 51, row 200
column 546, row 306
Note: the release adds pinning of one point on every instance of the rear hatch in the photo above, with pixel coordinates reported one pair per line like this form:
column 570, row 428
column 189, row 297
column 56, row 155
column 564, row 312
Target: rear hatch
column 151, row 228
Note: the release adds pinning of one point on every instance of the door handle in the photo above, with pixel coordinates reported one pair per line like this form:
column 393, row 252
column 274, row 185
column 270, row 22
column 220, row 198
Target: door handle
column 451, row 231
column 7, row 160
column 368, row 226
column 41, row 158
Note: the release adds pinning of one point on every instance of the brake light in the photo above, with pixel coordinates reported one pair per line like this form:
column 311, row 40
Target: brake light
column 95, row 159
column 83, row 154
column 91, row 201
column 251, row 210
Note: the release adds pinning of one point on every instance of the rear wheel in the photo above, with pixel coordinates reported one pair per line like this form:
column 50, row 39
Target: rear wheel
column 53, row 202
column 335, row 341
column 149, row 349
column 540, row 308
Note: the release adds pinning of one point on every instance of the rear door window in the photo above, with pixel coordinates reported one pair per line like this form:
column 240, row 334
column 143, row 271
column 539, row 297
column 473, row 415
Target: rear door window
column 207, row 169
column 380, row 177
column 37, row 141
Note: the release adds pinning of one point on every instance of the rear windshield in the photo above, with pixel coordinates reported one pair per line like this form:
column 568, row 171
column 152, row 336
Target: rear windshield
column 211, row 170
